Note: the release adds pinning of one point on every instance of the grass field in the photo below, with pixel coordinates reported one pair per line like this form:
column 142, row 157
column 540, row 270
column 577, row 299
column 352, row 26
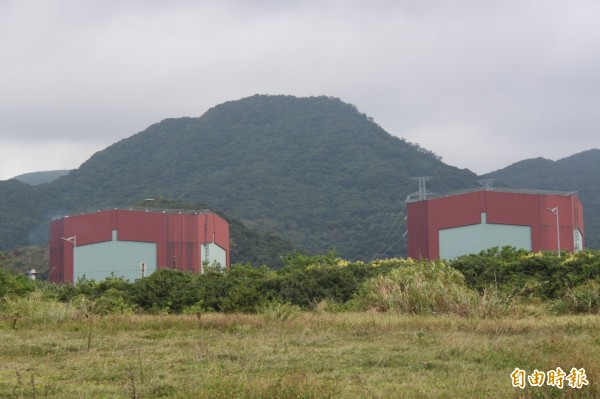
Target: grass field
column 301, row 355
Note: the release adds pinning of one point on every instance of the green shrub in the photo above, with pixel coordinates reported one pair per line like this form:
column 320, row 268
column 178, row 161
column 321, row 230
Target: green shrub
column 195, row 309
column 242, row 298
column 308, row 285
column 165, row 290
column 112, row 301
column 536, row 275
column 12, row 284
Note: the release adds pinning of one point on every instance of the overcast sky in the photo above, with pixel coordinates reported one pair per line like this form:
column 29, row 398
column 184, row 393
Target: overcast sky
column 481, row 83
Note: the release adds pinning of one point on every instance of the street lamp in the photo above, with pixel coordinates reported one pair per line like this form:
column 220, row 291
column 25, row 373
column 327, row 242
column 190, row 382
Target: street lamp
column 555, row 211
column 73, row 240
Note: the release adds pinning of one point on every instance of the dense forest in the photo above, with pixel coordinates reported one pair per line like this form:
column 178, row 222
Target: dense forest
column 315, row 172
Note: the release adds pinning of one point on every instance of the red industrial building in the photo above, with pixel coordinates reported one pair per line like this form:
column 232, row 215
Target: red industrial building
column 135, row 243
column 474, row 220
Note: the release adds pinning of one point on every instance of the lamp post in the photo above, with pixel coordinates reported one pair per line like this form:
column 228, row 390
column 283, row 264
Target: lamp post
column 73, row 240
column 555, row 211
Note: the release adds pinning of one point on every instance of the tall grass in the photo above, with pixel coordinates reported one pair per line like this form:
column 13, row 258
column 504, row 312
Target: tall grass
column 584, row 298
column 35, row 308
column 282, row 311
column 429, row 288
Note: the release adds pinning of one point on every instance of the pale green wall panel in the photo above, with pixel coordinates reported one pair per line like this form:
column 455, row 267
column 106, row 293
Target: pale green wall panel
column 215, row 254
column 123, row 258
column 473, row 239
column 577, row 240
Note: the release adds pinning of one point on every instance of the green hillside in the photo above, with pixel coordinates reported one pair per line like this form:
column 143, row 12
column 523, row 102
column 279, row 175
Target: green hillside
column 314, row 170
column 35, row 178
column 579, row 172
column 22, row 212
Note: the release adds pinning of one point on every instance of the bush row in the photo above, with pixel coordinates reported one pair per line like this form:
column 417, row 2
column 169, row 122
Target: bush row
column 482, row 285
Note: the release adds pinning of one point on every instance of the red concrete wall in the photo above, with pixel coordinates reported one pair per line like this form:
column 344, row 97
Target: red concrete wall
column 61, row 262
column 212, row 228
column 418, row 229
column 178, row 236
column 426, row 218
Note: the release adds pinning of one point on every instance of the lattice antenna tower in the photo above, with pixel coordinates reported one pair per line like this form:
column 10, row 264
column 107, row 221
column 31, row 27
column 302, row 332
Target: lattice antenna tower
column 422, row 193
column 487, row 184
column 206, row 246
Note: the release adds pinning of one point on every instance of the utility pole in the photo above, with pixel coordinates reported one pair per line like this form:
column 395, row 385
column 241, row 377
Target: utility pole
column 555, row 211
column 73, row 240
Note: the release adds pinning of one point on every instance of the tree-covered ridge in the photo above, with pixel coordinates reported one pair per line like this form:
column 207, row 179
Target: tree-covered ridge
column 35, row 178
column 578, row 172
column 22, row 210
column 314, row 170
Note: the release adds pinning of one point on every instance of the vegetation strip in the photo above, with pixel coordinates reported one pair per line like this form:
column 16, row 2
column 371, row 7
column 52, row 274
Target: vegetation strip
column 320, row 326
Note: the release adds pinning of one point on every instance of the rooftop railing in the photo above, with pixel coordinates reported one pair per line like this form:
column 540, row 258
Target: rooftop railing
column 416, row 197
column 138, row 209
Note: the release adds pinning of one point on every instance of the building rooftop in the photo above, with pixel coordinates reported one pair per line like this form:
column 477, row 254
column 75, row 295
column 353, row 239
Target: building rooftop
column 415, row 197
column 138, row 209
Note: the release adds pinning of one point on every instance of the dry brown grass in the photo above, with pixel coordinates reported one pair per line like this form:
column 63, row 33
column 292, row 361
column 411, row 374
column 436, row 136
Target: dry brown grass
column 313, row 355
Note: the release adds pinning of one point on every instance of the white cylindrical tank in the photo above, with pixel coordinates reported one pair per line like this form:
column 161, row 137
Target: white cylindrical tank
column 31, row 273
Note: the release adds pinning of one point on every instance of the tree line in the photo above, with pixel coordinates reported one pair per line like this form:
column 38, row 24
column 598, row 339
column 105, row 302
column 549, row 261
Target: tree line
column 491, row 282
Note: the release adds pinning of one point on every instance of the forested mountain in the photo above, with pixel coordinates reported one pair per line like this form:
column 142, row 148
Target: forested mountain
column 22, row 214
column 35, row 178
column 579, row 172
column 314, row 170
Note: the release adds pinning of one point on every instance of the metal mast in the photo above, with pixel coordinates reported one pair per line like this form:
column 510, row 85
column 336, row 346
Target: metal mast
column 486, row 183
column 206, row 246
column 422, row 193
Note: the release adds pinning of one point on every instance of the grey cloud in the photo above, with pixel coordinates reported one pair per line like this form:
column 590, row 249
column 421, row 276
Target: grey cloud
column 455, row 77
